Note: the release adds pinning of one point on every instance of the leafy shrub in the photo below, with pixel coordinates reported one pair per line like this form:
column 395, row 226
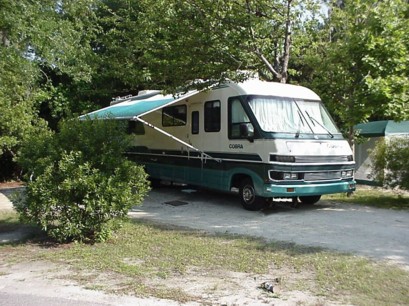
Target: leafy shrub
column 81, row 185
column 390, row 162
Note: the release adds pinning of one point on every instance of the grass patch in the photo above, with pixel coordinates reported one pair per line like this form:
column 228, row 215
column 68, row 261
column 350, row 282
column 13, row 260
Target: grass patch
column 375, row 197
column 142, row 257
column 9, row 221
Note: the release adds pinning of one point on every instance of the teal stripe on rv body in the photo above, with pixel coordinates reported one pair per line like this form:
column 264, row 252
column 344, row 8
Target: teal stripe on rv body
column 215, row 175
column 194, row 154
column 229, row 160
column 215, row 179
column 208, row 178
column 195, row 162
column 208, row 173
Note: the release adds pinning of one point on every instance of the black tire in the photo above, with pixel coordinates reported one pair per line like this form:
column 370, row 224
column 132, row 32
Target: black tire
column 248, row 197
column 310, row 200
column 155, row 183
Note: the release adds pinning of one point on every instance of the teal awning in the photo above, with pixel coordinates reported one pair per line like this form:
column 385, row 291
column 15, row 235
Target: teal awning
column 135, row 107
column 382, row 128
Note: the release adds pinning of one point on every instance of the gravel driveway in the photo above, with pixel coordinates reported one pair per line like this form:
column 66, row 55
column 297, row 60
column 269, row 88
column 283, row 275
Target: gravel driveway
column 372, row 232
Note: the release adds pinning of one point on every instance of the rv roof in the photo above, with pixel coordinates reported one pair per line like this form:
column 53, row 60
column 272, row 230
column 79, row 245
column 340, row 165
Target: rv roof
column 257, row 87
column 137, row 106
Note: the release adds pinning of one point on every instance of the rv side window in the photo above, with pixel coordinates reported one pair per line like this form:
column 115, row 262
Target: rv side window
column 195, row 122
column 174, row 115
column 239, row 122
column 136, row 128
column 212, row 116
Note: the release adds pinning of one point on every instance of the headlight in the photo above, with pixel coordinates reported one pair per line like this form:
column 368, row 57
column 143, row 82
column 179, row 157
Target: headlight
column 279, row 176
column 290, row 176
column 347, row 173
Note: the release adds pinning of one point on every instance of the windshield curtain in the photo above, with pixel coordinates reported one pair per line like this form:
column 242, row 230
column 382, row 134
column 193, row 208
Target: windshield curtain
column 285, row 115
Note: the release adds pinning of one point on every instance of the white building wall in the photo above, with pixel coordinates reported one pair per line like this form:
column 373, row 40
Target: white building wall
column 363, row 160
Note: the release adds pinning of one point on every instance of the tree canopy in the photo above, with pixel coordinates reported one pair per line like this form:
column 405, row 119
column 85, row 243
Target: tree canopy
column 176, row 42
column 39, row 41
column 360, row 62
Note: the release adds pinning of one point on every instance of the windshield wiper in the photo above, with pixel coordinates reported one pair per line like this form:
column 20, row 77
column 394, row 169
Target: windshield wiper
column 321, row 125
column 302, row 120
column 297, row 134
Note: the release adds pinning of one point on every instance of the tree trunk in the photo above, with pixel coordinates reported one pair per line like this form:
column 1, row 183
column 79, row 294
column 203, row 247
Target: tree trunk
column 279, row 68
column 4, row 38
column 351, row 139
column 287, row 45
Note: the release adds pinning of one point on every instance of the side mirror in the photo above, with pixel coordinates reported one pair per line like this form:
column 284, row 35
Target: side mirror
column 245, row 132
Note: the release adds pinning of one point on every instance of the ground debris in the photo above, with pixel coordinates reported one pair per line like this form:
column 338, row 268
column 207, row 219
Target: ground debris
column 269, row 285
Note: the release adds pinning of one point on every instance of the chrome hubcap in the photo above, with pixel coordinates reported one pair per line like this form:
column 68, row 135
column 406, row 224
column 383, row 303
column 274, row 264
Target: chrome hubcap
column 248, row 194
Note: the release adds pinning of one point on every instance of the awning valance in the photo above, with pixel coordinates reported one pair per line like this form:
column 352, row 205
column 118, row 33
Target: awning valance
column 135, row 107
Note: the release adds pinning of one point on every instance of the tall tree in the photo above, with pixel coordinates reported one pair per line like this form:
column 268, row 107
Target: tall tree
column 359, row 63
column 169, row 42
column 38, row 40
column 119, row 48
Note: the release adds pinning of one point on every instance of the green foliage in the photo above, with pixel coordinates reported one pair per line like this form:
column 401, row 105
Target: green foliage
column 391, row 162
column 82, row 186
column 40, row 42
column 170, row 43
column 358, row 62
column 17, row 100
column 18, row 104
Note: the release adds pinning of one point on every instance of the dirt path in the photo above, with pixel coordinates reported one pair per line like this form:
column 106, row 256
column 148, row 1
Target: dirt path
column 375, row 233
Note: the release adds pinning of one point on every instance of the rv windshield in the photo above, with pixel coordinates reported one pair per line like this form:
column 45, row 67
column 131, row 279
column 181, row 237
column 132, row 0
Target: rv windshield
column 286, row 115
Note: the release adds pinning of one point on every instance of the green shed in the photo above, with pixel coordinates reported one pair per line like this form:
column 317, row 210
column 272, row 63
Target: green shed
column 374, row 131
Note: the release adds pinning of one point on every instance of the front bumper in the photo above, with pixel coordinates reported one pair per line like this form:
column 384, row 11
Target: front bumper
column 272, row 190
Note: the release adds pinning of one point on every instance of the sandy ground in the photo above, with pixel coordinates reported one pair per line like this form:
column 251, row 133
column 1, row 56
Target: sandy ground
column 375, row 233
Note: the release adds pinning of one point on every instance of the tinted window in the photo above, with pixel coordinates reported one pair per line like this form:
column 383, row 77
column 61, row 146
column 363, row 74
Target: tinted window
column 239, row 122
column 174, row 115
column 195, row 122
column 136, row 127
column 212, row 116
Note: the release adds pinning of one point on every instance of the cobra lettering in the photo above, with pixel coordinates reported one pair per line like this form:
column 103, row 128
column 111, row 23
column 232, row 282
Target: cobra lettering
column 236, row 146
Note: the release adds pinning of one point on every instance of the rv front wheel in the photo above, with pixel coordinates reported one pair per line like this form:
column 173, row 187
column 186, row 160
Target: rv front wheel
column 248, row 197
column 310, row 200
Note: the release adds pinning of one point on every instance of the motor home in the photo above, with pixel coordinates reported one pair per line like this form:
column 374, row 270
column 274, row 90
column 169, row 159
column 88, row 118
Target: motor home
column 265, row 140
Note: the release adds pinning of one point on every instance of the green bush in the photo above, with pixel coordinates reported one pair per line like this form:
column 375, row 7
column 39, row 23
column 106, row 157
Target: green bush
column 80, row 186
column 390, row 162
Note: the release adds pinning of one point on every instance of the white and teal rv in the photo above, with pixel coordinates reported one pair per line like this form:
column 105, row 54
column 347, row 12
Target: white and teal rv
column 266, row 140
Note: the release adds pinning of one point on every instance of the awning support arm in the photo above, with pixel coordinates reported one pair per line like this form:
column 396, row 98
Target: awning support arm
column 176, row 139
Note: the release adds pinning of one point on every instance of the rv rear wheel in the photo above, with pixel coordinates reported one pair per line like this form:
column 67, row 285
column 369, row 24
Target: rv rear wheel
column 155, row 183
column 310, row 200
column 248, row 197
